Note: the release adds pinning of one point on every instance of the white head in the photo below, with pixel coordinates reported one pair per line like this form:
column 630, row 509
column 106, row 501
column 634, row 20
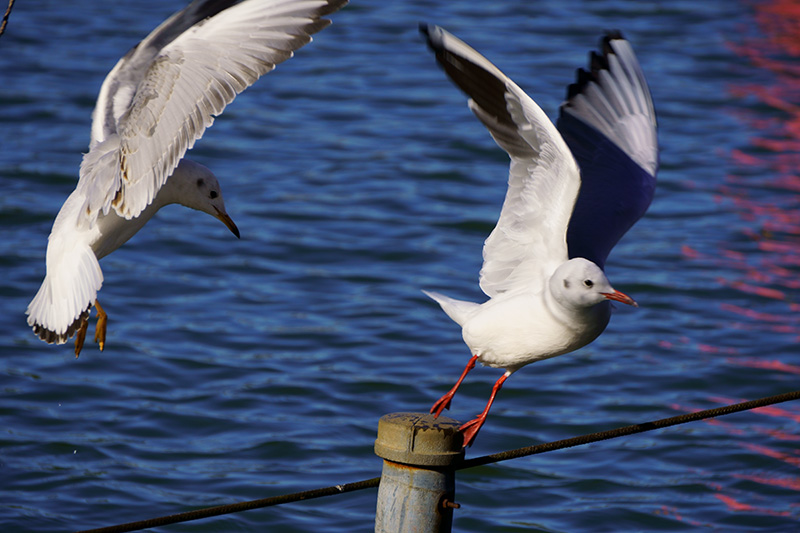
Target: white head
column 195, row 186
column 581, row 283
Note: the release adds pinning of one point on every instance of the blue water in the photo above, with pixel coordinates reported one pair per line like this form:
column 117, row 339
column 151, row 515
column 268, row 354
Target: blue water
column 237, row 370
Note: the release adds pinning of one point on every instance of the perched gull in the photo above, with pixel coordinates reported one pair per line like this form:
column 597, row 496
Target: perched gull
column 573, row 191
column 153, row 105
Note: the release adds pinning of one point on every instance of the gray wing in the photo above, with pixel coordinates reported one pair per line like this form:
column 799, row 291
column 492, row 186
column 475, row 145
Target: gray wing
column 159, row 99
column 529, row 241
column 609, row 123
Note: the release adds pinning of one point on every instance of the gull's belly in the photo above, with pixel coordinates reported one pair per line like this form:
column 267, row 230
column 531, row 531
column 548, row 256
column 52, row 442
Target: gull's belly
column 116, row 230
column 522, row 330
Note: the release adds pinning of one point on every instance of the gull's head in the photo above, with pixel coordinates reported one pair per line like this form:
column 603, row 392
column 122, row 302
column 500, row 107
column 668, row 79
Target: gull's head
column 199, row 189
column 581, row 283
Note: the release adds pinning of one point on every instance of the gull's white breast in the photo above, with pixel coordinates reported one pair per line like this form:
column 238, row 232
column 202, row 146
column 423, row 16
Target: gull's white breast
column 513, row 330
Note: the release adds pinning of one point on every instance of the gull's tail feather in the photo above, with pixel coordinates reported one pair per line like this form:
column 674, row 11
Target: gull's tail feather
column 458, row 310
column 65, row 297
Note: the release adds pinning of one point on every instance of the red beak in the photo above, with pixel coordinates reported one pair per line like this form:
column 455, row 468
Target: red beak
column 620, row 297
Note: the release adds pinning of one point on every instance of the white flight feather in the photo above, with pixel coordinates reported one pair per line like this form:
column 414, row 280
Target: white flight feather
column 181, row 89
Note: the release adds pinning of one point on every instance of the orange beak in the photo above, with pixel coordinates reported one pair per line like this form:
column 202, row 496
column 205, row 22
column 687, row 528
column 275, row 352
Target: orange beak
column 620, row 297
column 228, row 221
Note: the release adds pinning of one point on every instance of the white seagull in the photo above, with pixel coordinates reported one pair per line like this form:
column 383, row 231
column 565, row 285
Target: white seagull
column 153, row 105
column 573, row 190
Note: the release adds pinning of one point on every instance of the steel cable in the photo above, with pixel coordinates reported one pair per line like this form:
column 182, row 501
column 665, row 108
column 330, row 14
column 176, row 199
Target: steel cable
column 468, row 463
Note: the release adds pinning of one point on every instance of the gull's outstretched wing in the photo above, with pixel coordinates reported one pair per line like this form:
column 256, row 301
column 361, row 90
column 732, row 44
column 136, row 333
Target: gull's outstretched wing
column 159, row 98
column 609, row 124
column 529, row 241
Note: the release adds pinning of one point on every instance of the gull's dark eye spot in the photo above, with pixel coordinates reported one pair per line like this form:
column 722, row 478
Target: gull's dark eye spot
column 213, row 194
column 200, row 182
column 589, row 283
column 566, row 284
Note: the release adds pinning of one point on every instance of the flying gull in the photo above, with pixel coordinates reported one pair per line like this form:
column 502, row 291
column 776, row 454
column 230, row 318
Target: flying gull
column 153, row 106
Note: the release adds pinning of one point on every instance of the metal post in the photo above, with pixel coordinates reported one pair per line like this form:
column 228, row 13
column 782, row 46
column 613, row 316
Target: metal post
column 418, row 480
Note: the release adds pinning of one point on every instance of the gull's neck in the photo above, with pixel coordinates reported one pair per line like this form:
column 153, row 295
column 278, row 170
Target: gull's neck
column 579, row 318
column 116, row 230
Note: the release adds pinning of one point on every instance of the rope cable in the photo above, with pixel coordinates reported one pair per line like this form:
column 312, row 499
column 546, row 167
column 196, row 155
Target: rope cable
column 627, row 430
column 469, row 463
column 236, row 507
column 5, row 17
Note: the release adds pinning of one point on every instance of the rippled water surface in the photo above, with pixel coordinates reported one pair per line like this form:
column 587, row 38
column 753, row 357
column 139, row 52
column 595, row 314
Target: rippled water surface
column 241, row 369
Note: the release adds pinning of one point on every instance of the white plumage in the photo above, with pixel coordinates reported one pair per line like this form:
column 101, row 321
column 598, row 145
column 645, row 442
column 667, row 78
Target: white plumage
column 543, row 300
column 153, row 105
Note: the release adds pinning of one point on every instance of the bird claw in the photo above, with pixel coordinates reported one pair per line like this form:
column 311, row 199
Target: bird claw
column 99, row 331
column 470, row 429
column 441, row 404
column 444, row 402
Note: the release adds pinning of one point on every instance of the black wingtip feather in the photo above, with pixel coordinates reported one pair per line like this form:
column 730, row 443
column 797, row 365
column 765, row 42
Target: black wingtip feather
column 331, row 7
column 597, row 63
column 423, row 28
column 611, row 35
column 482, row 86
column 432, row 37
column 51, row 337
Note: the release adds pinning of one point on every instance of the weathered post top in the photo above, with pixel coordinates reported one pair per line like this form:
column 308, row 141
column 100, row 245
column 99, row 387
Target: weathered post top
column 417, row 489
column 419, row 439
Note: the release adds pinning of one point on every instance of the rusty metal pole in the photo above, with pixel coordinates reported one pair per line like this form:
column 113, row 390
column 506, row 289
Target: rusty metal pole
column 417, row 489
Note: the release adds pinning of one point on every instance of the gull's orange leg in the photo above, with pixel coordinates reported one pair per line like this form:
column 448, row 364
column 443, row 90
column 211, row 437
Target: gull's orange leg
column 100, row 328
column 80, row 335
column 444, row 402
column 471, row 428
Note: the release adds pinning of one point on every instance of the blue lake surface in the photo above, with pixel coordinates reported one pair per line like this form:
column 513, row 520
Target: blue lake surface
column 242, row 369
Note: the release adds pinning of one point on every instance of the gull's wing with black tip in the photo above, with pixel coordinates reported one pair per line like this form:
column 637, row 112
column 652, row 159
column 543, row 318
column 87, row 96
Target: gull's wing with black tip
column 609, row 123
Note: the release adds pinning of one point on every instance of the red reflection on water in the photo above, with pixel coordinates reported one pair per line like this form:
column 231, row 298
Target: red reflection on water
column 765, row 266
column 683, row 342
column 770, row 410
column 792, row 483
column 761, row 263
column 753, row 314
column 735, row 505
column 775, row 454
column 768, row 364
column 782, row 435
column 785, row 411
column 673, row 512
